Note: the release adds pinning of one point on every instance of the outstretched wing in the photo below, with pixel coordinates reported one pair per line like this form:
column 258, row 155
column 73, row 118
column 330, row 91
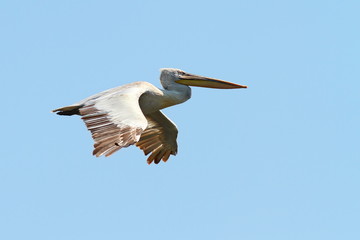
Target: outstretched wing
column 159, row 138
column 115, row 119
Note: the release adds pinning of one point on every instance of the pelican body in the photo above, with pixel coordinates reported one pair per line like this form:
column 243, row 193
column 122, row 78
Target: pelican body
column 130, row 114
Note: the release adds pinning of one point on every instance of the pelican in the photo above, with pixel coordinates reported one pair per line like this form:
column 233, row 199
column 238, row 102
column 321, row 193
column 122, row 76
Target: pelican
column 130, row 114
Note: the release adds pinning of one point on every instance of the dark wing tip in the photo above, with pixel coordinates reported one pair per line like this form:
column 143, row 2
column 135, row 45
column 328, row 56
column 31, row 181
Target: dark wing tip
column 68, row 111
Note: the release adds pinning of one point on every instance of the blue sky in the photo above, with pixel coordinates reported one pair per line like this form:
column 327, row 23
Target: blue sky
column 279, row 160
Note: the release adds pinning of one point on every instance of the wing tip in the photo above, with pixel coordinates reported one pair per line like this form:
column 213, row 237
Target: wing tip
column 68, row 111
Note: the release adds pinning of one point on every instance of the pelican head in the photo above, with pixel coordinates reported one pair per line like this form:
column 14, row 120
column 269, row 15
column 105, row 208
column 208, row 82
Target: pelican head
column 171, row 76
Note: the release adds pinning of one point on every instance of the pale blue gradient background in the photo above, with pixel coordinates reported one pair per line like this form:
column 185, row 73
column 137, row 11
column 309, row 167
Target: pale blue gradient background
column 279, row 160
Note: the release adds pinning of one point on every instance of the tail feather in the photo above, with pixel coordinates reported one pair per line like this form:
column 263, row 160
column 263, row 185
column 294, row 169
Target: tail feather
column 68, row 111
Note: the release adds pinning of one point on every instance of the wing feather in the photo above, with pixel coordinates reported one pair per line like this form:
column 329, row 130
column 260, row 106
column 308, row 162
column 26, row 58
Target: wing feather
column 159, row 138
column 114, row 119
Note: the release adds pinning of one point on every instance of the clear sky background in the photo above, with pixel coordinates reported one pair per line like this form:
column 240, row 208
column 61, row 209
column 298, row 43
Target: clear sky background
column 279, row 160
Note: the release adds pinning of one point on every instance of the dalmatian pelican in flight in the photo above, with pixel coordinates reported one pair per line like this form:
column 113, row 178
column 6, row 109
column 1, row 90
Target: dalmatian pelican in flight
column 130, row 114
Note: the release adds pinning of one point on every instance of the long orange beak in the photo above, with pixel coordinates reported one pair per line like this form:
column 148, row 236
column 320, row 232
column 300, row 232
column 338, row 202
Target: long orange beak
column 200, row 81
